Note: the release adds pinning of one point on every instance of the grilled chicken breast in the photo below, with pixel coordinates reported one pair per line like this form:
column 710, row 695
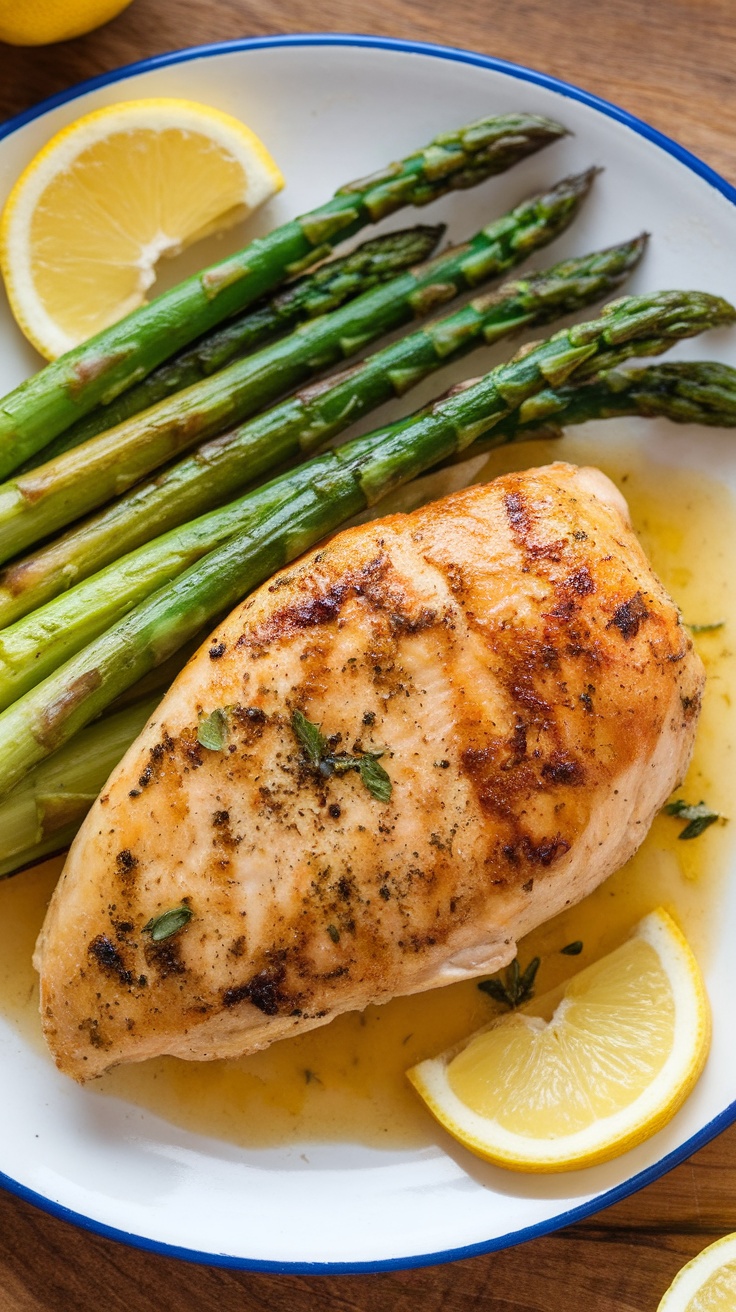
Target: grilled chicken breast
column 533, row 696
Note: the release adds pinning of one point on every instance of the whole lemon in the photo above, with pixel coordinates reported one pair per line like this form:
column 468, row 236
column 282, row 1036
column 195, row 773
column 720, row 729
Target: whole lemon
column 39, row 22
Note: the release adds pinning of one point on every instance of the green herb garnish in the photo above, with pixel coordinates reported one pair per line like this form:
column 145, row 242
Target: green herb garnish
column 516, row 988
column 310, row 736
column 375, row 777
column 334, row 933
column 317, row 751
column 706, row 628
column 168, row 923
column 572, row 949
column 212, row 729
column 700, row 817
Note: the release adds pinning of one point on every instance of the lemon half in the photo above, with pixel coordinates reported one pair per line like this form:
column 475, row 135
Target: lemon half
column 707, row 1284
column 38, row 22
column 88, row 220
column 622, row 1049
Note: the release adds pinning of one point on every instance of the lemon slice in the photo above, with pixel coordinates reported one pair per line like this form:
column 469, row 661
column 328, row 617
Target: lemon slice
column 707, row 1284
column 623, row 1048
column 88, row 220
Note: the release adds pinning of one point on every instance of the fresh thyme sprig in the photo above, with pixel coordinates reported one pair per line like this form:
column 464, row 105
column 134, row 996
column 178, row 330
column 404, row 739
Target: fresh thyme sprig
column 700, row 817
column 517, row 986
column 317, row 751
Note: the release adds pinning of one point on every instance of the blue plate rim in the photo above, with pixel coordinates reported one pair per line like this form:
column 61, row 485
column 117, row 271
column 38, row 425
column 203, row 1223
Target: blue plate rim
column 714, row 179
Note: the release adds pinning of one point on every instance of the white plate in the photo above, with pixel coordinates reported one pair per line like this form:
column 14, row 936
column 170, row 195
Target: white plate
column 333, row 108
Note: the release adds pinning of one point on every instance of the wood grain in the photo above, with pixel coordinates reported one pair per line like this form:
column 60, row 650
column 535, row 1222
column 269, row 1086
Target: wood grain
column 670, row 62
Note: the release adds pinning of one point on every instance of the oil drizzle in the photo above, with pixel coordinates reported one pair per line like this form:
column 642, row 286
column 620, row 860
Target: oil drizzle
column 346, row 1080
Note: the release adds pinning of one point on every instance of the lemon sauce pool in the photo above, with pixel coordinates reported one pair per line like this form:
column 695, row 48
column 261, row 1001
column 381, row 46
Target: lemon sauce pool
column 346, row 1081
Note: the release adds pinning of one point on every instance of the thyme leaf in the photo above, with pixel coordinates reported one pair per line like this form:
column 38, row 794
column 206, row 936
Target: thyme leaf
column 496, row 990
column 168, row 923
column 375, row 777
column 212, row 729
column 572, row 949
column 706, row 628
column 516, row 988
column 700, row 817
column 316, row 749
column 310, row 737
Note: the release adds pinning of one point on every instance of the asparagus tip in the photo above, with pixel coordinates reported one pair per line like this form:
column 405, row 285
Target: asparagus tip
column 522, row 121
column 576, row 184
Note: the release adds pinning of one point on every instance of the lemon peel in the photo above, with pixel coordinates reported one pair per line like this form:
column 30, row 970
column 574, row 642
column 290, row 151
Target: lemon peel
column 707, row 1283
column 96, row 209
column 623, row 1048
column 43, row 22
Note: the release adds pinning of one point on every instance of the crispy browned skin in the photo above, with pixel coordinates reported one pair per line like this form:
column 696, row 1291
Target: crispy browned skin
column 537, row 697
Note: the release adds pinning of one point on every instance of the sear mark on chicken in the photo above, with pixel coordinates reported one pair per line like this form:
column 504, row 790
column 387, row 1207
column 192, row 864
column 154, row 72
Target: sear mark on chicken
column 533, row 696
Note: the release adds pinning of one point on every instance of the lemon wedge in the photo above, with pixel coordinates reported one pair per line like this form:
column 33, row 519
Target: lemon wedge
column 707, row 1284
column 109, row 196
column 622, row 1048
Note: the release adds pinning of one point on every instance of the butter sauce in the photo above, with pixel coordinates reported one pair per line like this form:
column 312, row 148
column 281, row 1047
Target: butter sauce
column 346, row 1081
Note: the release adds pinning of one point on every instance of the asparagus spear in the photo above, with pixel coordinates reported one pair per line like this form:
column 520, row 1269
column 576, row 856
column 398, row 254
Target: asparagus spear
column 330, row 286
column 101, row 368
column 41, row 818
column 683, row 392
column 36, row 504
column 340, row 484
column 30, row 649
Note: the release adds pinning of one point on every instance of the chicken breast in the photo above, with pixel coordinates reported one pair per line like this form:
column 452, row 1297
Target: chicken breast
column 533, row 696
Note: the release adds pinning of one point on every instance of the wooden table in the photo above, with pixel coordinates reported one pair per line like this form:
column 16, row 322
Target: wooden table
column 672, row 63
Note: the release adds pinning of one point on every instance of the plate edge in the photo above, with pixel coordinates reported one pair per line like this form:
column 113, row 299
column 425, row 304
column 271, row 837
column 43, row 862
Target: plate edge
column 709, row 175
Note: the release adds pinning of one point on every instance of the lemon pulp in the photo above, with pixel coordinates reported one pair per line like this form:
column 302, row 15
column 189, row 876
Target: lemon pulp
column 608, row 1040
column 708, row 1283
column 718, row 1294
column 623, row 1046
column 89, row 219
column 129, row 195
